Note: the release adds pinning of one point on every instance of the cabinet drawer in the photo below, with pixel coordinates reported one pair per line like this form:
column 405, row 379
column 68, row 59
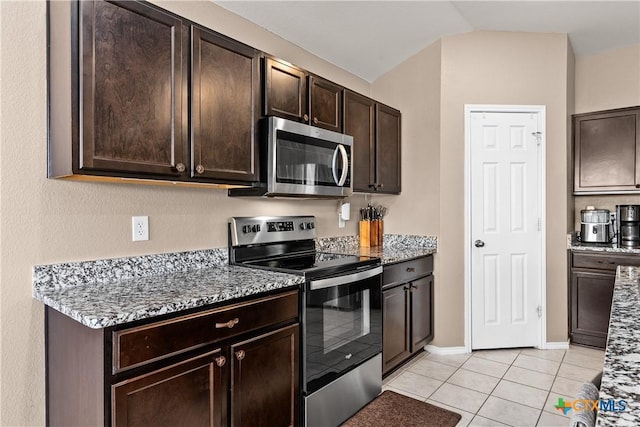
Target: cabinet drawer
column 407, row 270
column 603, row 262
column 140, row 345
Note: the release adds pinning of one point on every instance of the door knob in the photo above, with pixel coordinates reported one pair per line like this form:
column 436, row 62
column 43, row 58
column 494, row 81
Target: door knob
column 478, row 243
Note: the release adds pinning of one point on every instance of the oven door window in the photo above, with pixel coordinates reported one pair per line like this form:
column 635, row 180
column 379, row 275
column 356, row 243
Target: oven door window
column 310, row 161
column 343, row 328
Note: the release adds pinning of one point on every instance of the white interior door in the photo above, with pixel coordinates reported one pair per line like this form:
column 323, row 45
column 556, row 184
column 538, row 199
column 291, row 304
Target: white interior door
column 505, row 229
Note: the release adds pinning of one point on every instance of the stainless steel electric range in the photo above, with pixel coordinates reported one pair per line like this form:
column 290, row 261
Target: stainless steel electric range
column 340, row 308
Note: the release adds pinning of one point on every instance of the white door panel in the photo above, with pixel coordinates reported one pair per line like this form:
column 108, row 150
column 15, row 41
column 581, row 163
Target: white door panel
column 505, row 214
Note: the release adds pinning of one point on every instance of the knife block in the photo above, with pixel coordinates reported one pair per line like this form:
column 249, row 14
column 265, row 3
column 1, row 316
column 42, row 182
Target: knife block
column 365, row 236
column 371, row 233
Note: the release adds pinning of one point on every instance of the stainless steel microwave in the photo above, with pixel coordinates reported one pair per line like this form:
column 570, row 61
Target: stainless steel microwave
column 299, row 160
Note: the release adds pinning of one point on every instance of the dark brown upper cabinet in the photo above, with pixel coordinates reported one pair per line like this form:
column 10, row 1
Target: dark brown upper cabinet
column 375, row 128
column 359, row 122
column 325, row 100
column 285, row 91
column 607, row 151
column 133, row 90
column 128, row 108
column 293, row 93
column 225, row 87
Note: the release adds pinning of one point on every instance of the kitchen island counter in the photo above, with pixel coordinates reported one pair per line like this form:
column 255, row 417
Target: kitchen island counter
column 621, row 373
column 111, row 292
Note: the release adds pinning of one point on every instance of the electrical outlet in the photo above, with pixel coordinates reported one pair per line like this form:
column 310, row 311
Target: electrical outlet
column 140, row 228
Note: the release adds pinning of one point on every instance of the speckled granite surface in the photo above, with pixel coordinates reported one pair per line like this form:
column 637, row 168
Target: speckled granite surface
column 575, row 245
column 621, row 374
column 109, row 292
column 395, row 247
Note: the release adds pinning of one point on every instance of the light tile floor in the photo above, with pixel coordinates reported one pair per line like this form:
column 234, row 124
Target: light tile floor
column 511, row 387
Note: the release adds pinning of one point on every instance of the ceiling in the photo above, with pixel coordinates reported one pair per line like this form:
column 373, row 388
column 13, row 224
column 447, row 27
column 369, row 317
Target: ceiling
column 368, row 38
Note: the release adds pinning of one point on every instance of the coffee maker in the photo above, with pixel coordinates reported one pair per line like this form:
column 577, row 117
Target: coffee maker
column 628, row 225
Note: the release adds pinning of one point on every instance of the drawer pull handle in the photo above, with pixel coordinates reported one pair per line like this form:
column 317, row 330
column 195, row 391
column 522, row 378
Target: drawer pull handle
column 220, row 361
column 411, row 270
column 230, row 324
column 240, row 354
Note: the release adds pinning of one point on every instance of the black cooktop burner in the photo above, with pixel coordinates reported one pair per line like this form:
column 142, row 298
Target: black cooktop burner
column 314, row 262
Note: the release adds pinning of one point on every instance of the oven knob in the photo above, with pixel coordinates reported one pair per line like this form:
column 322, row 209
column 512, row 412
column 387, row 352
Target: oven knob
column 302, row 226
column 255, row 228
column 310, row 226
column 258, row 227
column 246, row 228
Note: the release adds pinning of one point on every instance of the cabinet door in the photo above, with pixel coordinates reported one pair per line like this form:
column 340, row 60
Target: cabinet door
column 191, row 393
column 359, row 122
column 606, row 151
column 387, row 150
column 326, row 104
column 591, row 296
column 133, row 90
column 285, row 91
column 395, row 327
column 421, row 312
column 225, row 89
column 265, row 379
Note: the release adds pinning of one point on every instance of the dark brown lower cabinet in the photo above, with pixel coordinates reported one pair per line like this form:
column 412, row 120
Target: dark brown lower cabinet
column 189, row 393
column 591, row 285
column 592, row 293
column 264, row 380
column 185, row 373
column 407, row 311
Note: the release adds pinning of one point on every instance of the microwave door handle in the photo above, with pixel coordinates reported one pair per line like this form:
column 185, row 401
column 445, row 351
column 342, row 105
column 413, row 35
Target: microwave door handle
column 345, row 165
column 334, row 165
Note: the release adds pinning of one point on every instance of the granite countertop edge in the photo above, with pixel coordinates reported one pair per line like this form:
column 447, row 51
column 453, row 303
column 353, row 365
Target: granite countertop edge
column 111, row 292
column 574, row 244
column 621, row 372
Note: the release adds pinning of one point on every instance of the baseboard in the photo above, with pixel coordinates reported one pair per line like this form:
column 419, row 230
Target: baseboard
column 445, row 350
column 562, row 345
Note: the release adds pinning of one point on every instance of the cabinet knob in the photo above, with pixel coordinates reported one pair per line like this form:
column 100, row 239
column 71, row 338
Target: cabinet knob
column 305, row 118
column 200, row 169
column 180, row 167
column 379, row 185
column 240, row 354
column 230, row 324
column 220, row 361
column 315, row 120
column 637, row 185
column 411, row 270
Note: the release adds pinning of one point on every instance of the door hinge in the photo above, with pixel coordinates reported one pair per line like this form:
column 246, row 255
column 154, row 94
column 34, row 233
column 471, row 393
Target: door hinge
column 538, row 136
column 539, row 311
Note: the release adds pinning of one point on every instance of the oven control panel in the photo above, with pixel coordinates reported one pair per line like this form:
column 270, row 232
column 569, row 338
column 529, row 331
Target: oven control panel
column 257, row 230
column 276, row 226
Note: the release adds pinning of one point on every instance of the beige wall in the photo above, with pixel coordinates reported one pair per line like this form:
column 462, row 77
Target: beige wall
column 503, row 68
column 608, row 80
column 479, row 68
column 48, row 221
column 604, row 81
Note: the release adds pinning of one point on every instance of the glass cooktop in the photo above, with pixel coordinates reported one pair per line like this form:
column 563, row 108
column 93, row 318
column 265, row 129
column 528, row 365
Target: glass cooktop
column 315, row 262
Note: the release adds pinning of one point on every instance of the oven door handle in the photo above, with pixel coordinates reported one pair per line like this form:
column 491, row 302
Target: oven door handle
column 344, row 280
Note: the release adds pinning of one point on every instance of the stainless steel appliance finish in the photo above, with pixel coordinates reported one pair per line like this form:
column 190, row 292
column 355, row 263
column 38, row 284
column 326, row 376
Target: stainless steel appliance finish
column 595, row 225
column 361, row 385
column 628, row 225
column 340, row 310
column 302, row 161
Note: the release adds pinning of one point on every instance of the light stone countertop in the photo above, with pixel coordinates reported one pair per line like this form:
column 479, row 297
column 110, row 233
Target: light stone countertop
column 109, row 292
column 621, row 373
